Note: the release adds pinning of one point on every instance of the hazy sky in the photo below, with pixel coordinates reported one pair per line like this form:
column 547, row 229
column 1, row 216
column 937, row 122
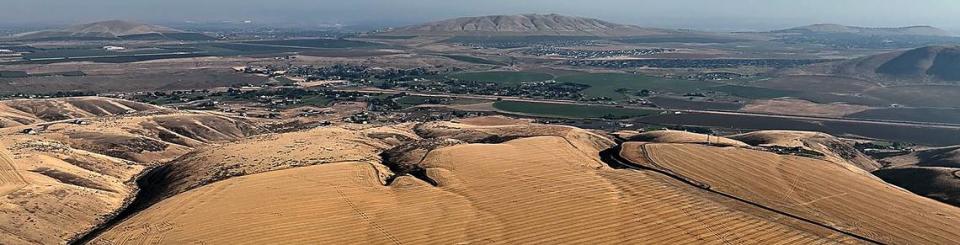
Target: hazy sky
column 694, row 14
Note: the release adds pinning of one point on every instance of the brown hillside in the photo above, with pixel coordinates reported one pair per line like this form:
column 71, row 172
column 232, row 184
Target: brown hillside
column 938, row 183
column 933, row 173
column 833, row 149
column 68, row 178
column 814, row 190
column 532, row 190
column 24, row 112
column 103, row 29
column 674, row 136
column 522, row 184
column 529, row 24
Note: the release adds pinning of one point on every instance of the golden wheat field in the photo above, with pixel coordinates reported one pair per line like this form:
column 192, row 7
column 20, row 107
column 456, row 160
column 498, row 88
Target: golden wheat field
column 534, row 190
column 192, row 177
column 813, row 189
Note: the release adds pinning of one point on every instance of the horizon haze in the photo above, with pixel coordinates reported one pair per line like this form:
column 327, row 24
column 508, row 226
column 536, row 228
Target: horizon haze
column 684, row 14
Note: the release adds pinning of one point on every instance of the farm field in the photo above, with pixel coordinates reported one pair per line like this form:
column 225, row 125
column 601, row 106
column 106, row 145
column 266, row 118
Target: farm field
column 475, row 60
column 409, row 101
column 754, row 92
column 815, row 190
column 920, row 95
column 933, row 115
column 10, row 178
column 817, row 84
column 317, row 43
column 610, row 85
column 568, row 110
column 505, row 78
column 153, row 80
column 557, row 193
column 896, row 133
column 684, row 103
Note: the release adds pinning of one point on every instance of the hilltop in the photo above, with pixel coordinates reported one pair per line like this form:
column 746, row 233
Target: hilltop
column 869, row 31
column 132, row 172
column 926, row 63
column 112, row 29
column 528, row 24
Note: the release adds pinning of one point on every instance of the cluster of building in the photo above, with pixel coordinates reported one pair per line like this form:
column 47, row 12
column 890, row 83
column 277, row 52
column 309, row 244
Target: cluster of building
column 593, row 54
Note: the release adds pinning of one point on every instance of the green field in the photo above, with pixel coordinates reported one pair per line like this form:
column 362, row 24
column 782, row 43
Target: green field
column 569, row 111
column 471, row 59
column 608, row 84
column 413, row 100
column 507, row 78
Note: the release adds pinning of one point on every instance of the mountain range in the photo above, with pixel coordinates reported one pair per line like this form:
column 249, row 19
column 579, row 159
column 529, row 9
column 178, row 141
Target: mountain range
column 529, row 24
column 869, row 31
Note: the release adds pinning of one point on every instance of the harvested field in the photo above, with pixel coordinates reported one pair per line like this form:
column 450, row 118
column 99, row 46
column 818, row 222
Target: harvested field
column 674, row 136
column 534, row 190
column 832, row 148
column 10, row 178
column 823, row 193
column 803, row 108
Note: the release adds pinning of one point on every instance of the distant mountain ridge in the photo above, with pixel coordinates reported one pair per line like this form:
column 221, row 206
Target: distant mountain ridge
column 872, row 31
column 529, row 24
column 931, row 63
column 112, row 29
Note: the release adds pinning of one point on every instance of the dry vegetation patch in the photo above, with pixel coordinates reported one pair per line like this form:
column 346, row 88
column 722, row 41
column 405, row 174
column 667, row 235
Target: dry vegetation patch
column 813, row 189
column 803, row 108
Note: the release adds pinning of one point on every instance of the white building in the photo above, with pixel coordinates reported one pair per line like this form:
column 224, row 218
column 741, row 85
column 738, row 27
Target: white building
column 113, row 48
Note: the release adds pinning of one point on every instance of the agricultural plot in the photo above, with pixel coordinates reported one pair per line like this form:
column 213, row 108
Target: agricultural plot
column 569, row 110
column 10, row 178
column 410, row 101
column 472, row 59
column 505, row 78
column 683, row 103
column 821, row 192
column 920, row 95
column 613, row 85
column 932, row 115
column 533, row 190
column 316, row 43
column 50, row 56
column 895, row 133
column 754, row 92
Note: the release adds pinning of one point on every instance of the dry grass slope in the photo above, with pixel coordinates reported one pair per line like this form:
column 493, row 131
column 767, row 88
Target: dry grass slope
column 675, row 136
column 813, row 189
column 833, row 149
column 25, row 112
column 68, row 178
column 533, row 190
column 10, row 178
